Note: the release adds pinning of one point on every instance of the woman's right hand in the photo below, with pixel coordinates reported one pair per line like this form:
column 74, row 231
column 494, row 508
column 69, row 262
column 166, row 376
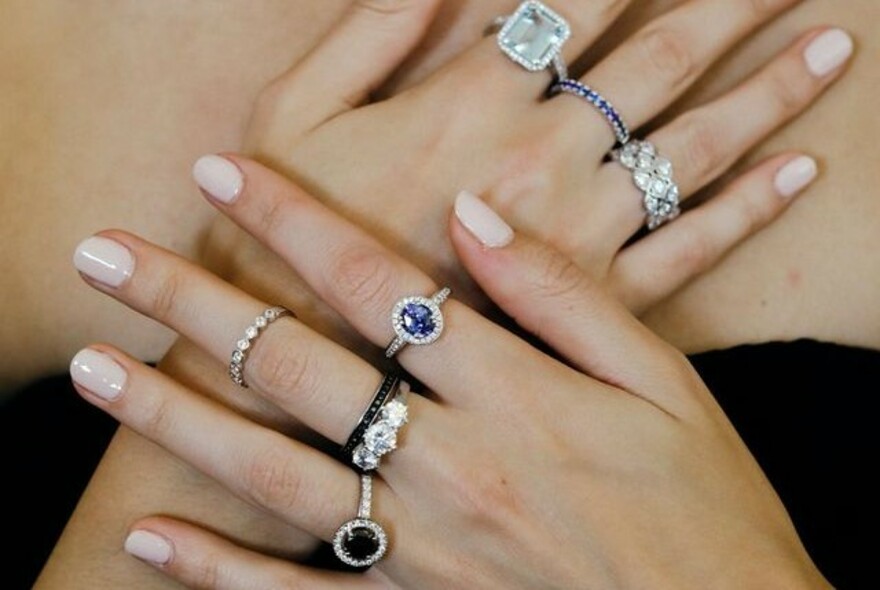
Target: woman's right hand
column 481, row 123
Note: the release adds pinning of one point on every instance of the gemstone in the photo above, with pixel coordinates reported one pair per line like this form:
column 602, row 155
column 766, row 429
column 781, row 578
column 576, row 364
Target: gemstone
column 533, row 35
column 394, row 414
column 270, row 314
column 243, row 345
column 252, row 332
column 418, row 320
column 380, row 438
column 642, row 180
column 364, row 458
column 237, row 356
column 361, row 543
column 261, row 322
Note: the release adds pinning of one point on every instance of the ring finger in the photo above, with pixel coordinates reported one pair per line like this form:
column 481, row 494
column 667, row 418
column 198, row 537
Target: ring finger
column 308, row 376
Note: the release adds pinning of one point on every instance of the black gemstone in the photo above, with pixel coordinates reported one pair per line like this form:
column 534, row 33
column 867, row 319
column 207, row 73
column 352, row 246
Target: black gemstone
column 361, row 543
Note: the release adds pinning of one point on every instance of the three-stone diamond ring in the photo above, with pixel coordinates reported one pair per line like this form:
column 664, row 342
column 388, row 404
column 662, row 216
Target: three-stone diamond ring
column 417, row 320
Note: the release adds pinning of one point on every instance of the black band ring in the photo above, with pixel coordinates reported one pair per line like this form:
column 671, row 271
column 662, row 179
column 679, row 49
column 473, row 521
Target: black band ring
column 386, row 390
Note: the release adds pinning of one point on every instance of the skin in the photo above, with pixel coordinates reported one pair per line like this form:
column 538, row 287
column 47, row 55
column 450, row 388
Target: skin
column 798, row 329
column 769, row 293
column 531, row 498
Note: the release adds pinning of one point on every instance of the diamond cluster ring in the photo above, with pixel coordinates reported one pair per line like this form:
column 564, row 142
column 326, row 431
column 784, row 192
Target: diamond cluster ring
column 654, row 177
column 417, row 320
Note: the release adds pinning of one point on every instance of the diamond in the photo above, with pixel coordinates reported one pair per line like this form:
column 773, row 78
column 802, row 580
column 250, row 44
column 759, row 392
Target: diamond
column 243, row 345
column 261, row 322
column 237, row 356
column 270, row 314
column 364, row 458
column 642, row 180
column 394, row 414
column 380, row 438
column 663, row 166
column 533, row 36
column 252, row 332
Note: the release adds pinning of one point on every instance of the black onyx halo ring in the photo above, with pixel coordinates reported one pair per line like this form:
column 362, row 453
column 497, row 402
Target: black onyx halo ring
column 417, row 320
column 361, row 542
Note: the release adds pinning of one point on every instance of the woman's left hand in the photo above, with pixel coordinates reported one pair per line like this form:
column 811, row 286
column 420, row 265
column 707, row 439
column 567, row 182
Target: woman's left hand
column 615, row 470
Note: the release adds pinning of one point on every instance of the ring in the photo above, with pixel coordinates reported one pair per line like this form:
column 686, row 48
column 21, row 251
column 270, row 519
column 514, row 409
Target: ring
column 576, row 88
column 417, row 320
column 387, row 389
column 361, row 542
column 243, row 346
column 654, row 177
column 380, row 438
column 533, row 37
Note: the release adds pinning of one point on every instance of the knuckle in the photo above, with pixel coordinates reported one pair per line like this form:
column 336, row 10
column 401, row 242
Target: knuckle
column 384, row 7
column 282, row 366
column 271, row 213
column 753, row 212
column 158, row 418
column 557, row 275
column 165, row 299
column 790, row 90
column 363, row 277
column 696, row 253
column 761, row 9
column 207, row 573
column 669, row 55
column 703, row 154
column 271, row 479
column 486, row 495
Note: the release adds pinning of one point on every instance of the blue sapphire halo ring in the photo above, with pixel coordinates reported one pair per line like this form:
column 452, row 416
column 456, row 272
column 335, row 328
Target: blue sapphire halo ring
column 533, row 37
column 653, row 175
column 417, row 320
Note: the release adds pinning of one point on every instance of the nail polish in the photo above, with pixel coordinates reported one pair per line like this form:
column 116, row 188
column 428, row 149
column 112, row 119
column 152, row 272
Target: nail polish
column 482, row 222
column 828, row 51
column 98, row 373
column 796, row 175
column 149, row 547
column 104, row 260
column 219, row 177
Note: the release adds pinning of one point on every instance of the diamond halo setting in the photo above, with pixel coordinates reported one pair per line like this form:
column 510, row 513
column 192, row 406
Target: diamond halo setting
column 533, row 36
column 417, row 320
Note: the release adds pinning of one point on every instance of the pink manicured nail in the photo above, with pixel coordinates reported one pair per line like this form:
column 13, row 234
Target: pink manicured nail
column 218, row 177
column 828, row 51
column 104, row 260
column 98, row 373
column 796, row 175
column 149, row 547
column 482, row 221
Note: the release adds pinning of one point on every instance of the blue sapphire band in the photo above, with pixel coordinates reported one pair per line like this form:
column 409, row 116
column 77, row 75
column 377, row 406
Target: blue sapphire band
column 576, row 88
column 417, row 320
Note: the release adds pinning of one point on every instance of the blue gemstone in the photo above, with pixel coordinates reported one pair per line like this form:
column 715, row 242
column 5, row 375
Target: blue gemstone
column 418, row 320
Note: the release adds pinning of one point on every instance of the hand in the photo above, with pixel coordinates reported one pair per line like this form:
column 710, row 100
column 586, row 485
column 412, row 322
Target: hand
column 616, row 470
column 480, row 123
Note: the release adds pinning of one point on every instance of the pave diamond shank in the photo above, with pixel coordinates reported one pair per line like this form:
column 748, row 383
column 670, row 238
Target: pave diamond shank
column 251, row 333
column 533, row 36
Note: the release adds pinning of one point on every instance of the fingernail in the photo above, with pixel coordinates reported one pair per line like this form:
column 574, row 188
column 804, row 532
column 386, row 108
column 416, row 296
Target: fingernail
column 105, row 260
column 98, row 373
column 218, row 177
column 149, row 547
column 482, row 222
column 828, row 51
column 796, row 175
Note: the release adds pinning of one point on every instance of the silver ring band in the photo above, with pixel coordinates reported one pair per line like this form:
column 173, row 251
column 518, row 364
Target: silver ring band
column 653, row 175
column 417, row 320
column 361, row 542
column 244, row 346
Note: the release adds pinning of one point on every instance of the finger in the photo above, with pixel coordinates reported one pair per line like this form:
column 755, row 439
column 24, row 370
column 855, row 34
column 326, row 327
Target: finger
column 662, row 263
column 705, row 142
column 363, row 281
column 547, row 294
column 294, row 481
column 668, row 55
column 205, row 561
column 308, row 376
column 362, row 51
